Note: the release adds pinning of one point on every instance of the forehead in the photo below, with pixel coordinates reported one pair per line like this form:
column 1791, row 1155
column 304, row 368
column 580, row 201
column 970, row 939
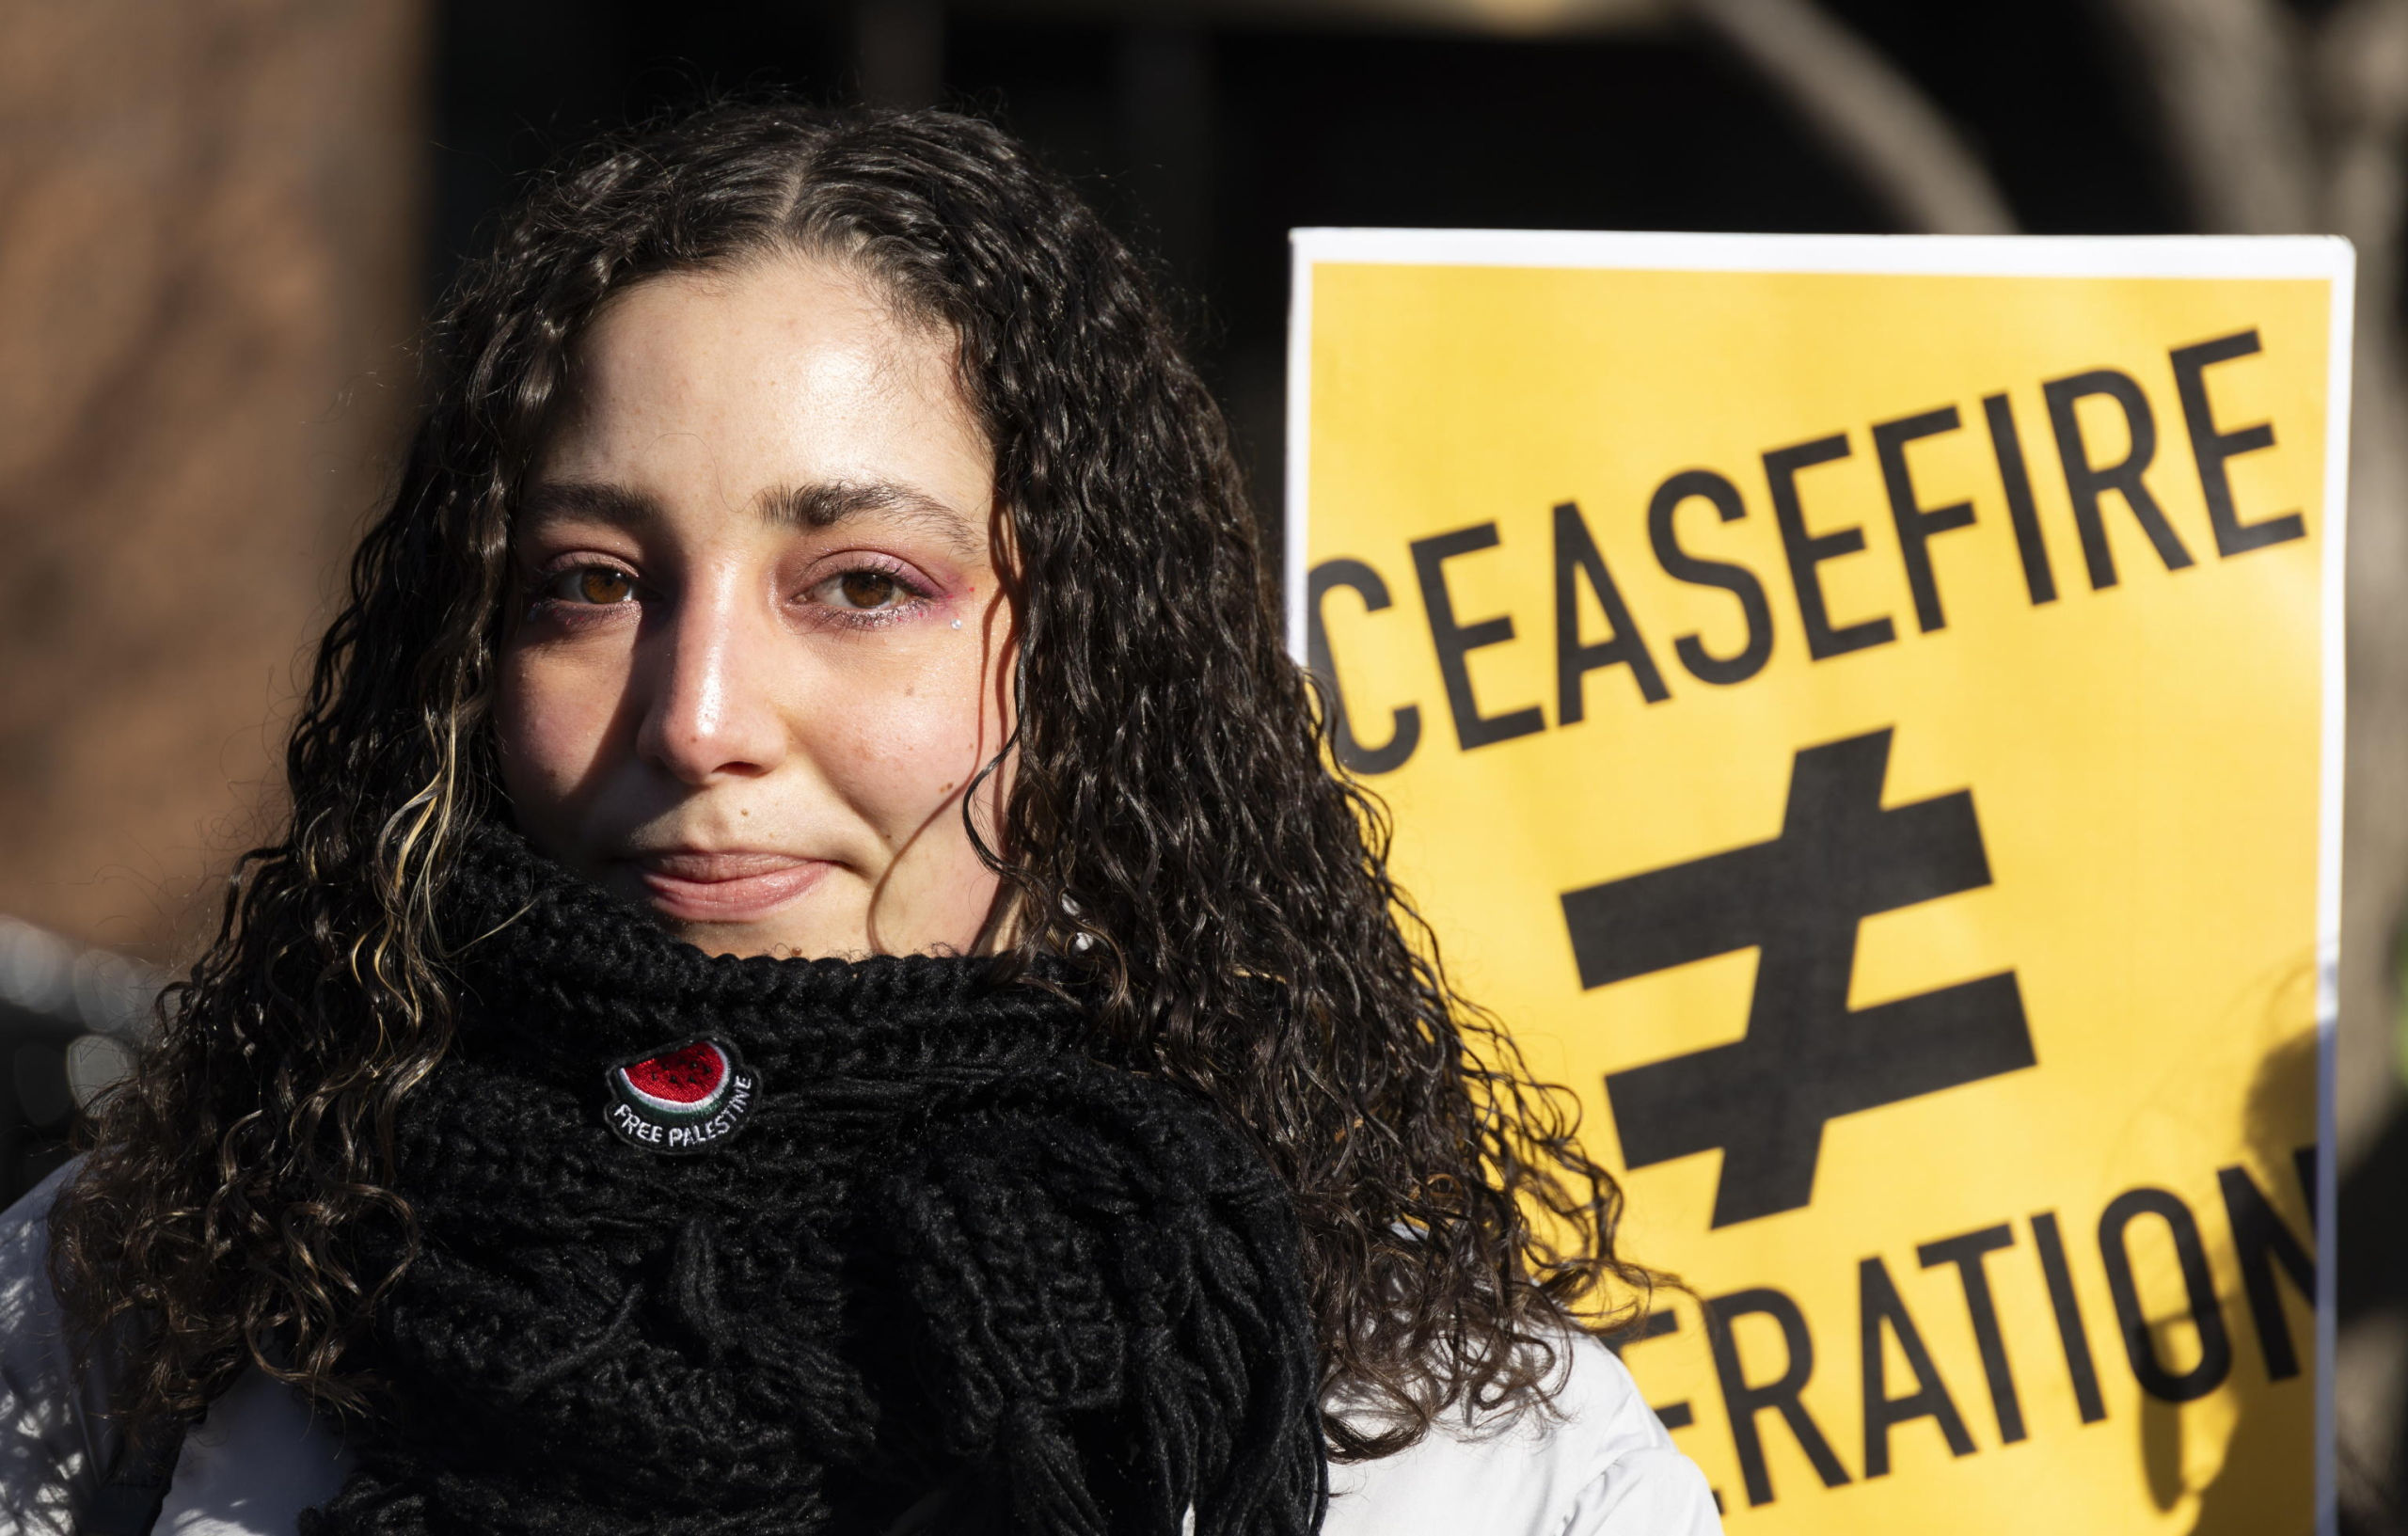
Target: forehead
column 789, row 371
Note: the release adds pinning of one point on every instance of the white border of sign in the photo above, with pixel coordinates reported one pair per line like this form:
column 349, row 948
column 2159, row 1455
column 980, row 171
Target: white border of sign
column 2326, row 257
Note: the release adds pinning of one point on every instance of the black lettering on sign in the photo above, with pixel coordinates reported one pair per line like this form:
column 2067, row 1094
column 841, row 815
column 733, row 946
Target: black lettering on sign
column 1577, row 557
column 2261, row 1241
column 1738, row 580
column 2067, row 1307
column 2007, row 445
column 1807, row 1056
column 1968, row 1253
column 1744, row 1399
column 2085, row 481
column 1404, row 724
column 1916, row 523
column 1454, row 642
column 1807, row 550
column 2215, row 449
column 1880, row 1309
column 2206, row 1316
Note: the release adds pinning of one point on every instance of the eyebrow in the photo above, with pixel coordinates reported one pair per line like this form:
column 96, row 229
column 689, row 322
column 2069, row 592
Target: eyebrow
column 825, row 504
column 821, row 504
column 603, row 502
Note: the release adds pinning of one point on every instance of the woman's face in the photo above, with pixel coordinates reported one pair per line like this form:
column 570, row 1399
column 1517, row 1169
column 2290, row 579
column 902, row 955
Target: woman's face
column 763, row 652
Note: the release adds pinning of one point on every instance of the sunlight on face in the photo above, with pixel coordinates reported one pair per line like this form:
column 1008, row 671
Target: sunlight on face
column 762, row 652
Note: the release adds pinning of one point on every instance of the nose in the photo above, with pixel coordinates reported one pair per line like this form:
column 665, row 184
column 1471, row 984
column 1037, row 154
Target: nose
column 711, row 711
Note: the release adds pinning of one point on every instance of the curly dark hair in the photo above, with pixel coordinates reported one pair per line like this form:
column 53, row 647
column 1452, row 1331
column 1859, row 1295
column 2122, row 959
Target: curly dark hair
column 1172, row 802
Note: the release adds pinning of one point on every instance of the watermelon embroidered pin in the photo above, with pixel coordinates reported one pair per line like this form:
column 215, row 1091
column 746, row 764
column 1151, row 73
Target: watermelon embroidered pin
column 687, row 1098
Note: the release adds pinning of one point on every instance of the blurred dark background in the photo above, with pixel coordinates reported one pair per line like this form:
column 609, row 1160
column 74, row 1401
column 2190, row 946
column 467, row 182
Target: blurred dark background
column 221, row 220
column 1205, row 135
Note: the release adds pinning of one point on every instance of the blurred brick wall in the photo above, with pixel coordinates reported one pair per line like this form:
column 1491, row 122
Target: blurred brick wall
column 210, row 255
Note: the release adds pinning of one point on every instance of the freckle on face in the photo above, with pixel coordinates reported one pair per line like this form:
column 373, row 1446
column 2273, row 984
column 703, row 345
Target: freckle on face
column 639, row 740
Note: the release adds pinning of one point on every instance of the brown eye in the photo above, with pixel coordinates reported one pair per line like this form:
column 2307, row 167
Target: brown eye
column 600, row 584
column 867, row 589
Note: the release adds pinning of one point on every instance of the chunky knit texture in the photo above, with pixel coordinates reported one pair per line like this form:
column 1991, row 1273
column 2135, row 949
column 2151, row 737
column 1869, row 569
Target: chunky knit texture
column 951, row 1265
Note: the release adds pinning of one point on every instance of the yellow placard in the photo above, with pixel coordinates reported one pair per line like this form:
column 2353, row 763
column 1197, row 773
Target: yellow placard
column 1865, row 715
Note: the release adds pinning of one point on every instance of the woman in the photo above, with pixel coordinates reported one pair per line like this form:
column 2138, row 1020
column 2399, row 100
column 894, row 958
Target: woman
column 818, row 979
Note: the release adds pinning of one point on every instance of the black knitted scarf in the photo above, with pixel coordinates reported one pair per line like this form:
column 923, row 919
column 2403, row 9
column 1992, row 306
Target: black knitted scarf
column 916, row 1259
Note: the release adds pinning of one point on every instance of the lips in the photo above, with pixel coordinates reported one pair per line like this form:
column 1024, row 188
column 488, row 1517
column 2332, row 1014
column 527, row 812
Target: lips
column 724, row 885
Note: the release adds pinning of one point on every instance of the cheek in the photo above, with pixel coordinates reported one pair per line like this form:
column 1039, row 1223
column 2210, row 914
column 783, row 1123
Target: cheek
column 909, row 746
column 552, row 721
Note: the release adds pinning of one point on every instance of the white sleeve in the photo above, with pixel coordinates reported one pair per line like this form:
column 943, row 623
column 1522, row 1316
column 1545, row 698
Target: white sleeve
column 1599, row 1464
column 250, row 1468
column 1642, row 1485
column 56, row 1436
column 1646, row 1492
column 256, row 1459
